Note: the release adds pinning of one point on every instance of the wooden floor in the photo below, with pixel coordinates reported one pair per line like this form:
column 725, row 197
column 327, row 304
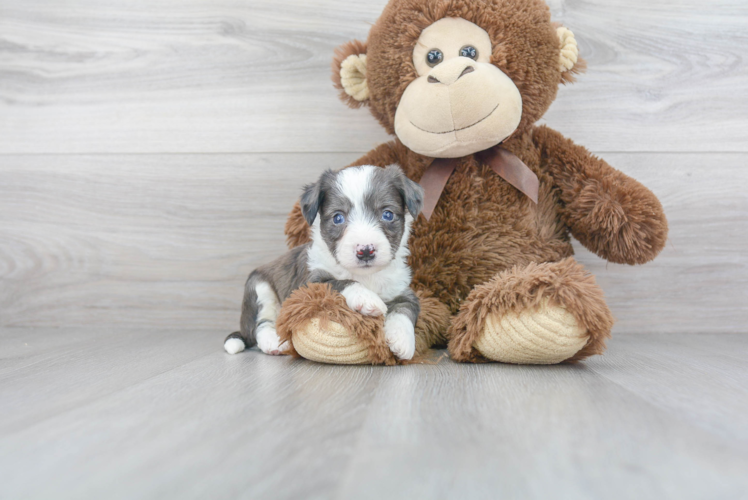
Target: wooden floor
column 166, row 414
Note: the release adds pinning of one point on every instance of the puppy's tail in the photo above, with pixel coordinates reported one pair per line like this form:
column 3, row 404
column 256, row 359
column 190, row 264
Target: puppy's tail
column 234, row 343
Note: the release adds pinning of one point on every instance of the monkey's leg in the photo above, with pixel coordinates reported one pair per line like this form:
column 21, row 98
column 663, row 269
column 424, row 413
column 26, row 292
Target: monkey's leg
column 320, row 326
column 537, row 314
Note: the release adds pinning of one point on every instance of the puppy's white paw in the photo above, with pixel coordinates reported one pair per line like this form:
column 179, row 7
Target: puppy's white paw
column 400, row 335
column 362, row 300
column 268, row 340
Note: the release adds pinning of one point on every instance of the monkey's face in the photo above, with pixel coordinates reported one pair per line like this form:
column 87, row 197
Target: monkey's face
column 460, row 103
column 452, row 78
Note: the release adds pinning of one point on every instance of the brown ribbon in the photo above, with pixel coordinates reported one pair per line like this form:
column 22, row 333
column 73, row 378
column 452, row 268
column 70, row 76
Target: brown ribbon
column 505, row 164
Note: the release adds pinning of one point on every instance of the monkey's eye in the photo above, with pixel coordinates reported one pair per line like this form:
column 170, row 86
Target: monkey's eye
column 469, row 51
column 338, row 218
column 434, row 57
column 388, row 216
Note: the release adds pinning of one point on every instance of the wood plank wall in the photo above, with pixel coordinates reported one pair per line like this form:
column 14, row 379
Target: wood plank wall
column 150, row 150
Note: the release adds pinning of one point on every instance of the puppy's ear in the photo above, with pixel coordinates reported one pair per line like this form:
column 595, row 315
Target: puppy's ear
column 312, row 198
column 411, row 192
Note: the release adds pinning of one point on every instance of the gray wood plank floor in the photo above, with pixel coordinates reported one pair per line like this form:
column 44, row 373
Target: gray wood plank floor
column 166, row 414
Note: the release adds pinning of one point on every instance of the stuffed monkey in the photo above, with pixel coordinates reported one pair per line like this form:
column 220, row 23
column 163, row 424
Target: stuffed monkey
column 460, row 84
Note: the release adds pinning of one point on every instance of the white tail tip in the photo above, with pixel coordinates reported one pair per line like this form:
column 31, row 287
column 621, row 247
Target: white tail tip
column 233, row 346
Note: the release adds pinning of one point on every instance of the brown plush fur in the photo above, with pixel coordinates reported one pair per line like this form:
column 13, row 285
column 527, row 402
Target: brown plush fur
column 432, row 324
column 487, row 245
column 318, row 300
column 563, row 283
column 608, row 212
column 297, row 229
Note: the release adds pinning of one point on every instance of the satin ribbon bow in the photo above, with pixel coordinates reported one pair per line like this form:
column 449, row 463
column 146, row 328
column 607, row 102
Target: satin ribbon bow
column 505, row 164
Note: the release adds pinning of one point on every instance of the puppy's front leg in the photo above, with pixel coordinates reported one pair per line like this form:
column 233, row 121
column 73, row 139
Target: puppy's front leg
column 399, row 326
column 358, row 297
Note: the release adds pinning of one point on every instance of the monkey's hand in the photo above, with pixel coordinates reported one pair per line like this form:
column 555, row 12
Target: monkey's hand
column 610, row 213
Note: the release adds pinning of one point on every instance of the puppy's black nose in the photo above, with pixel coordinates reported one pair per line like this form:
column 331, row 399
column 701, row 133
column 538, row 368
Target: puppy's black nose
column 365, row 253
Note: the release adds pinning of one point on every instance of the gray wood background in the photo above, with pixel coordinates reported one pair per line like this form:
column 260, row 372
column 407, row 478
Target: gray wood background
column 150, row 150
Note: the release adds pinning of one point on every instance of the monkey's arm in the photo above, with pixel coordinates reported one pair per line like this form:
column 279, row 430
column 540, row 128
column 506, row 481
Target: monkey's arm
column 298, row 231
column 610, row 213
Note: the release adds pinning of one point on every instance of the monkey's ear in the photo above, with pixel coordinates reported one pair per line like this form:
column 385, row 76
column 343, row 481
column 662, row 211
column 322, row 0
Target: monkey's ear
column 569, row 62
column 349, row 73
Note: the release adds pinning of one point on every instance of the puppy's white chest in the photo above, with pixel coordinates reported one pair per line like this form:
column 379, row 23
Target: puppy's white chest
column 388, row 283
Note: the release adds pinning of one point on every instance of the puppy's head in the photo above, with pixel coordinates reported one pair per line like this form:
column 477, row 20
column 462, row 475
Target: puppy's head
column 363, row 215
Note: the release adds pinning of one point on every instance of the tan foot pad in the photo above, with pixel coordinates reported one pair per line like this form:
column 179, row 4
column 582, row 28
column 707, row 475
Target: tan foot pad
column 333, row 344
column 545, row 335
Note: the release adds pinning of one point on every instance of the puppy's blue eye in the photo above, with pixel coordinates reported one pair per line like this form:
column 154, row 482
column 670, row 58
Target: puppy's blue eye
column 338, row 219
column 388, row 216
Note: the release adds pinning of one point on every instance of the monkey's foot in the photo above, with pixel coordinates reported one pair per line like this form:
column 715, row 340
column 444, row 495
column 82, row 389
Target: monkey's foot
column 545, row 335
column 319, row 325
column 544, row 313
column 330, row 344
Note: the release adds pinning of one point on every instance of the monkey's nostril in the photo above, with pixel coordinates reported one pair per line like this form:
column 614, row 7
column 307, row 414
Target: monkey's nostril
column 431, row 79
column 465, row 71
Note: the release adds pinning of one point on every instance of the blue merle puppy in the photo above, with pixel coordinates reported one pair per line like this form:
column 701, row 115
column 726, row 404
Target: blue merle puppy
column 360, row 219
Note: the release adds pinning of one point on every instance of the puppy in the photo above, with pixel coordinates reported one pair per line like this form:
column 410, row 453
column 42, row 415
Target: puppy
column 360, row 218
